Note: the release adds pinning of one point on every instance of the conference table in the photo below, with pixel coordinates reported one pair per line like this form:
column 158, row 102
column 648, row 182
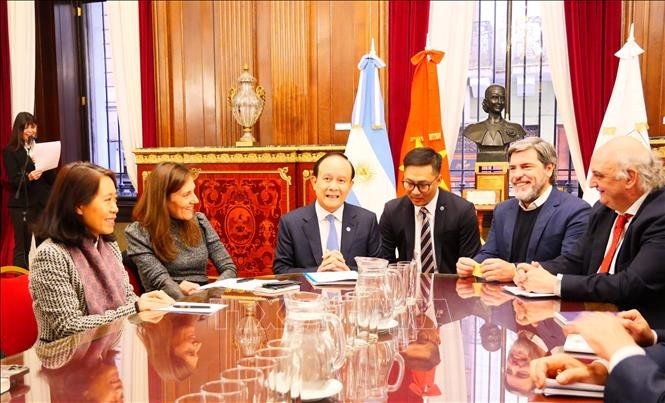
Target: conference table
column 484, row 340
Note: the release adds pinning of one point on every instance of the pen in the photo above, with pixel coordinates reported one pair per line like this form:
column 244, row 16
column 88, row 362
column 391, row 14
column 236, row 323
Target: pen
column 244, row 280
column 190, row 306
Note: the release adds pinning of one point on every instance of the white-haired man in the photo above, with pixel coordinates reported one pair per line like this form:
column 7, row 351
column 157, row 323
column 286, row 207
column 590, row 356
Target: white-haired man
column 620, row 257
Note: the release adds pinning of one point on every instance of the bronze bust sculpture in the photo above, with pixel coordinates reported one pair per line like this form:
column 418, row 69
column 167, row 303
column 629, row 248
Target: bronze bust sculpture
column 495, row 133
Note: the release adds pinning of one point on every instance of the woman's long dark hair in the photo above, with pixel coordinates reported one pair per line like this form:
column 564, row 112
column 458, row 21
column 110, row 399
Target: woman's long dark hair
column 23, row 119
column 77, row 184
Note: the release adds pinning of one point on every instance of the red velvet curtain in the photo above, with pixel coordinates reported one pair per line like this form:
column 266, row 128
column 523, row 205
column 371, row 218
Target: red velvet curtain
column 407, row 32
column 593, row 30
column 6, row 231
column 148, row 109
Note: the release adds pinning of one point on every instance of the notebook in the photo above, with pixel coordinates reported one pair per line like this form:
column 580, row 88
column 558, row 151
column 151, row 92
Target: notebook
column 332, row 277
column 578, row 389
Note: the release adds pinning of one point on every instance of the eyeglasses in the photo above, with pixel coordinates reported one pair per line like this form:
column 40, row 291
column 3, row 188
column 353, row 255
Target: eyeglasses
column 423, row 187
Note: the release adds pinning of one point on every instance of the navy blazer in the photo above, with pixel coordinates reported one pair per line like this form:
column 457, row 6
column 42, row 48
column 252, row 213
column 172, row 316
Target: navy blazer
column 639, row 278
column 299, row 240
column 639, row 378
column 562, row 219
column 455, row 230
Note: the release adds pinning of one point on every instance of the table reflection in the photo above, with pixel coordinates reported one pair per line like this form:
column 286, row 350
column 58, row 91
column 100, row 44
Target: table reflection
column 473, row 342
column 83, row 367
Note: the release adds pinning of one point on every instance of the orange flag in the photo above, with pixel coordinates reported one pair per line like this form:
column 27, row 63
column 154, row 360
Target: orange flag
column 423, row 129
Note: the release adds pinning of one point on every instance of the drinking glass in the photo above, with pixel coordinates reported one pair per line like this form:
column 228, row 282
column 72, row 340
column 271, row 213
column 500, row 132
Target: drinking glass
column 226, row 391
column 252, row 378
column 282, row 380
column 366, row 306
column 266, row 366
column 199, row 397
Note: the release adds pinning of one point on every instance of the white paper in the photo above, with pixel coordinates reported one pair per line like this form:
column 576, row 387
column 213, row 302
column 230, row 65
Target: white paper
column 576, row 344
column 193, row 307
column 46, row 155
column 523, row 293
column 236, row 284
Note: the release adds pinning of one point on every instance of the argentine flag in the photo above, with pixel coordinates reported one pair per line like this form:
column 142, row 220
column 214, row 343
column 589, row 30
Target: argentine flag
column 368, row 148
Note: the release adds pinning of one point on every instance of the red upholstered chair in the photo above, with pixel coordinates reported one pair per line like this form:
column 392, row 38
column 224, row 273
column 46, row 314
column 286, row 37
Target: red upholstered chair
column 18, row 327
column 133, row 274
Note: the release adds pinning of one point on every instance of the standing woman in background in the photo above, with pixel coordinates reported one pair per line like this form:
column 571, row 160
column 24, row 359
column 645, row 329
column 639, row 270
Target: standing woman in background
column 77, row 280
column 29, row 187
column 170, row 242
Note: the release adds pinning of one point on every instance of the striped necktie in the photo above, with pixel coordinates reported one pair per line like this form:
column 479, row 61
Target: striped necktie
column 426, row 247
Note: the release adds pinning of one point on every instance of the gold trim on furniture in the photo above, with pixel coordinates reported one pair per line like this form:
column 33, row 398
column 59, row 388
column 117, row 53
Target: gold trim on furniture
column 211, row 155
column 13, row 269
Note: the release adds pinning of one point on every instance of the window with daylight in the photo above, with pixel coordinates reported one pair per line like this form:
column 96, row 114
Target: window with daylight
column 530, row 98
column 105, row 142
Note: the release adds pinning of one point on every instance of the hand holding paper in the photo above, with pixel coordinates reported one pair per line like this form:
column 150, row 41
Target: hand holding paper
column 46, row 155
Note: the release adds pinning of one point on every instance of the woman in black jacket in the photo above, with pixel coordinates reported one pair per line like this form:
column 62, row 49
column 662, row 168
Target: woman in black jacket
column 29, row 188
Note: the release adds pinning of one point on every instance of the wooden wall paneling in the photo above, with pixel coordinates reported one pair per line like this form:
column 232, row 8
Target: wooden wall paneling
column 234, row 47
column 289, row 49
column 193, row 47
column 263, row 50
column 304, row 54
column 649, row 34
column 165, row 102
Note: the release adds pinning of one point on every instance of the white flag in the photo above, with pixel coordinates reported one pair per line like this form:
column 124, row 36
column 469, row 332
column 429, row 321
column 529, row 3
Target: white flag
column 626, row 114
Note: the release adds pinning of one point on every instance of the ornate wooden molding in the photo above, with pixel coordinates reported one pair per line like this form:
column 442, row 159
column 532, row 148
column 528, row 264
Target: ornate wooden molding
column 199, row 155
column 658, row 145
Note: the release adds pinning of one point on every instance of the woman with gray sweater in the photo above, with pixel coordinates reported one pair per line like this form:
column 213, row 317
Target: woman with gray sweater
column 170, row 242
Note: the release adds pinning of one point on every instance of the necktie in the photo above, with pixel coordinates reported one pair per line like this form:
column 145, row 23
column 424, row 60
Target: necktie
column 617, row 231
column 332, row 243
column 426, row 249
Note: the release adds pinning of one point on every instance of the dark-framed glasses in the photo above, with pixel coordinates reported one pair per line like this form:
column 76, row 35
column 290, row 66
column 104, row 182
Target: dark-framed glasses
column 423, row 187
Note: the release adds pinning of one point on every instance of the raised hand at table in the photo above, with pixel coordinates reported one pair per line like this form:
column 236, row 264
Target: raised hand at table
column 533, row 277
column 333, row 261
column 566, row 369
column 465, row 266
column 495, row 269
column 638, row 327
column 154, row 300
column 604, row 332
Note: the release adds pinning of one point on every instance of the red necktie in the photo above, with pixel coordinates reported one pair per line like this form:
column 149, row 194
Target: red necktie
column 619, row 226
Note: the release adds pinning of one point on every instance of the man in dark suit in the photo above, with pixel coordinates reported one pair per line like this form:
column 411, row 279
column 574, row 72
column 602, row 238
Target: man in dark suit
column 452, row 223
column 612, row 263
column 633, row 374
column 328, row 234
column 539, row 224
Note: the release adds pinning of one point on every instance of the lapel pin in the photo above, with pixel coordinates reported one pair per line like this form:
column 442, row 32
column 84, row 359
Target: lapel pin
column 441, row 208
column 348, row 229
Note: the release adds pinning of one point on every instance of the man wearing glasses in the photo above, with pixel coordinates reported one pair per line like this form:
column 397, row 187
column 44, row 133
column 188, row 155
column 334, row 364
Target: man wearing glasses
column 434, row 225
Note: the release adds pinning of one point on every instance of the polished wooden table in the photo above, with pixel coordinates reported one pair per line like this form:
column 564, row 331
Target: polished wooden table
column 483, row 342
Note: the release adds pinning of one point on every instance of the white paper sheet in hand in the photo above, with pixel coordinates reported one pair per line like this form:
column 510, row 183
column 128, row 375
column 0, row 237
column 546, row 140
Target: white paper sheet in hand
column 523, row 293
column 46, row 155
